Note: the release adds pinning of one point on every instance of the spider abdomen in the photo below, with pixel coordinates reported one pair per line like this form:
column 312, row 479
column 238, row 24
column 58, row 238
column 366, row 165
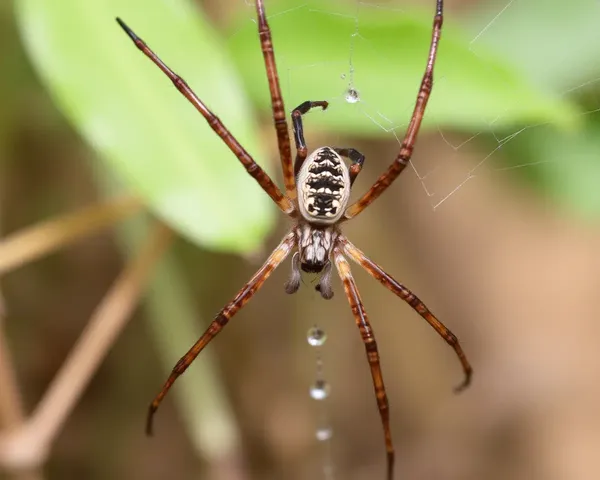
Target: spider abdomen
column 323, row 186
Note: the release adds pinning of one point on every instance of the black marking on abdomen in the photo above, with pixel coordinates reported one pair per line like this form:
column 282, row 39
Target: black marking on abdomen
column 332, row 183
column 318, row 169
column 323, row 202
column 327, row 153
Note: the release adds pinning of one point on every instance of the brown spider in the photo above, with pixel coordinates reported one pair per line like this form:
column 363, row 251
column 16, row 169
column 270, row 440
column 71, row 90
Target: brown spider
column 317, row 192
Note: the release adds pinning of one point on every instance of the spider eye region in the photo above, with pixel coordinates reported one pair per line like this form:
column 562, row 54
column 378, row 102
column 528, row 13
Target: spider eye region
column 323, row 186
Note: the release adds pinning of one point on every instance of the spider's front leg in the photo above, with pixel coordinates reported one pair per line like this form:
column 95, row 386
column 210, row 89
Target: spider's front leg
column 368, row 338
column 410, row 137
column 243, row 296
column 357, row 159
column 301, row 150
column 255, row 171
column 279, row 120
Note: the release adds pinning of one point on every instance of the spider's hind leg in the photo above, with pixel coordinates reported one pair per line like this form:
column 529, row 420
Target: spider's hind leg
column 244, row 295
column 372, row 351
column 414, row 302
column 357, row 159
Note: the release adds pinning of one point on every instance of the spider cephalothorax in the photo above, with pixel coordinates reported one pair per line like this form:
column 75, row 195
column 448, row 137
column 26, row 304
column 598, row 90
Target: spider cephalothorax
column 317, row 191
column 315, row 246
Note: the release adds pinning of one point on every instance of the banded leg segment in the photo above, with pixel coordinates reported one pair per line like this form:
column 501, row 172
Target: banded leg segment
column 215, row 123
column 368, row 338
column 301, row 150
column 417, row 305
column 357, row 159
column 410, row 137
column 243, row 296
column 279, row 118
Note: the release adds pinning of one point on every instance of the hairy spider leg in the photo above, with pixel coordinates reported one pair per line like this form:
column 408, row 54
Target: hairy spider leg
column 222, row 318
column 417, row 305
column 279, row 117
column 410, row 138
column 368, row 338
column 255, row 171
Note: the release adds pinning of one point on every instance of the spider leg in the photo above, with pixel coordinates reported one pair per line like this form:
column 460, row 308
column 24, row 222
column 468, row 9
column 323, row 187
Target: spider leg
column 357, row 158
column 410, row 138
column 405, row 294
column 283, row 202
column 279, row 119
column 243, row 296
column 302, row 109
column 368, row 338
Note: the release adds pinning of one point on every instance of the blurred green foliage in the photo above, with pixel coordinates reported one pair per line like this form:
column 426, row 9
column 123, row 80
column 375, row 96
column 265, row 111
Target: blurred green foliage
column 388, row 50
column 564, row 166
column 556, row 47
column 149, row 135
column 150, row 138
column 155, row 142
column 552, row 42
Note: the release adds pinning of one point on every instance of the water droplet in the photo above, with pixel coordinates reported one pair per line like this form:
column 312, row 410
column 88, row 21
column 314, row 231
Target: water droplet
column 343, row 76
column 316, row 336
column 320, row 390
column 352, row 96
column 324, row 433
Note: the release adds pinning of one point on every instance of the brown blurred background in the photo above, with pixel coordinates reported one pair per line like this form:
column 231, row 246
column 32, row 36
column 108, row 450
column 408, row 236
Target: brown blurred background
column 513, row 275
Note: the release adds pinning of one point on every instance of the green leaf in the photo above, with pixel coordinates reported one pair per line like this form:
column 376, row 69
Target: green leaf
column 323, row 48
column 551, row 41
column 564, row 165
column 146, row 131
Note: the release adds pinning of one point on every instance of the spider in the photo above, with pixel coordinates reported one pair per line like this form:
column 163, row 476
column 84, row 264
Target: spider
column 316, row 199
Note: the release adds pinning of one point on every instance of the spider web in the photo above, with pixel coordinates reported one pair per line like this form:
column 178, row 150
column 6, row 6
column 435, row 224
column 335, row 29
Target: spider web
column 443, row 177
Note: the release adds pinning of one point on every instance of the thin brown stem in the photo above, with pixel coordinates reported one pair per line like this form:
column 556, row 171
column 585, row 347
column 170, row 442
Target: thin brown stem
column 11, row 411
column 11, row 407
column 43, row 238
column 104, row 327
column 31, row 444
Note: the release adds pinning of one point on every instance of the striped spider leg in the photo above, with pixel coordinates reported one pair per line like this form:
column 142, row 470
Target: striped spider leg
column 415, row 303
column 279, row 120
column 410, row 138
column 368, row 336
column 282, row 201
column 222, row 318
